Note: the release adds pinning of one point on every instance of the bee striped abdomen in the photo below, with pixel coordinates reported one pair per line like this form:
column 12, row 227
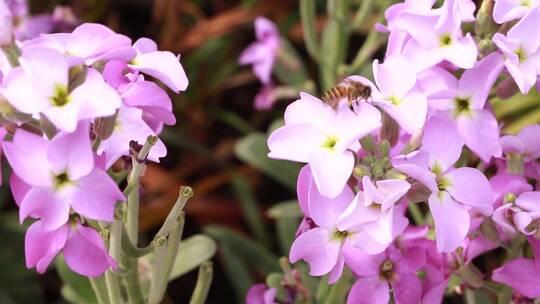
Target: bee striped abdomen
column 332, row 96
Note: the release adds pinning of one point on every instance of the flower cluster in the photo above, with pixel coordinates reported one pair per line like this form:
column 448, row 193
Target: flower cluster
column 426, row 134
column 72, row 105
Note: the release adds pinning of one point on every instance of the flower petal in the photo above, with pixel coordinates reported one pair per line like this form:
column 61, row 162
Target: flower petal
column 318, row 249
column 518, row 275
column 51, row 208
column 369, row 290
column 331, row 170
column 469, row 186
column 163, row 66
column 96, row 195
column 452, row 221
column 85, row 252
column 41, row 246
column 27, row 155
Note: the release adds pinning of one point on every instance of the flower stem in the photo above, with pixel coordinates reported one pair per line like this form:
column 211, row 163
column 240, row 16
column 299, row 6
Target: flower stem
column 115, row 247
column 308, row 15
column 370, row 46
column 163, row 266
column 416, row 213
column 100, row 289
column 365, row 8
column 12, row 53
column 204, row 280
column 505, row 295
column 132, row 221
column 158, row 270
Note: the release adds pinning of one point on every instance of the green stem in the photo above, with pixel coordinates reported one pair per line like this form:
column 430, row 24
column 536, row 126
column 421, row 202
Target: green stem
column 204, row 280
column 133, row 197
column 115, row 247
column 334, row 42
column 132, row 221
column 363, row 11
column 158, row 270
column 163, row 266
column 185, row 193
column 95, row 144
column 338, row 291
column 12, row 53
column 131, row 250
column 373, row 42
column 416, row 213
column 100, row 289
column 505, row 296
column 308, row 15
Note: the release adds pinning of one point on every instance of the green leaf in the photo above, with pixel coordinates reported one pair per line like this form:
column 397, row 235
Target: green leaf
column 192, row 252
column 251, row 211
column 287, row 215
column 77, row 288
column 236, row 272
column 253, row 150
column 253, row 253
column 286, row 209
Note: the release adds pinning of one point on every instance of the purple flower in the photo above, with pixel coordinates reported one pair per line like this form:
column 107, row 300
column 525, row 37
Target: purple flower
column 464, row 101
column 396, row 92
column 519, row 214
column 522, row 274
column 129, row 126
column 344, row 222
column 521, row 50
column 162, row 65
column 82, row 247
column 453, row 191
column 525, row 144
column 60, row 176
column 508, row 10
column 40, row 86
column 263, row 52
column 440, row 35
column 391, row 270
column 261, row 294
column 139, row 93
column 316, row 134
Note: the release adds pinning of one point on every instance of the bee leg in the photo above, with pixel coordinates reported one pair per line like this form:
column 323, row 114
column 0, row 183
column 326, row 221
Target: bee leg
column 350, row 101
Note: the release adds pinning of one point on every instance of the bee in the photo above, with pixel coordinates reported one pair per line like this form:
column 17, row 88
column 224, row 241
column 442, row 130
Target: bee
column 354, row 91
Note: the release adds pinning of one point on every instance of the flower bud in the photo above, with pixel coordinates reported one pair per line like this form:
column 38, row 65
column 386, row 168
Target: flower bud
column 485, row 26
column 104, row 127
column 389, row 130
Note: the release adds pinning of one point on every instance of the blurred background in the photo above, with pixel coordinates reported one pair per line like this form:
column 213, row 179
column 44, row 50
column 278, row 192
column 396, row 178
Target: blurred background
column 245, row 201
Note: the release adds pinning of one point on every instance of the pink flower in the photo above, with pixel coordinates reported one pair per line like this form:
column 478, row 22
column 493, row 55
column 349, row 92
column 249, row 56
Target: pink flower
column 396, row 92
column 129, row 126
column 521, row 50
column 139, row 93
column 343, row 222
column 508, row 10
column 522, row 274
column 391, row 270
column 464, row 101
column 440, row 35
column 41, row 86
column 519, row 214
column 453, row 191
column 83, row 248
column 60, row 175
column 260, row 294
column 525, row 144
column 316, row 134
column 162, row 65
column 263, row 52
